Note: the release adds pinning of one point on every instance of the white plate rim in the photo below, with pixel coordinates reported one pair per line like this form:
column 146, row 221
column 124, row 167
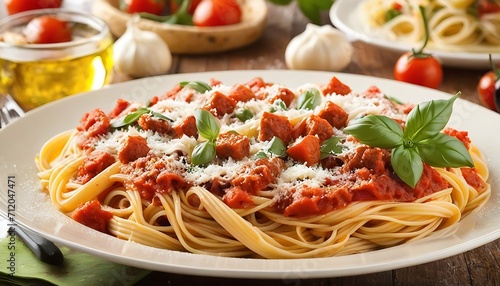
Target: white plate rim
column 342, row 19
column 476, row 230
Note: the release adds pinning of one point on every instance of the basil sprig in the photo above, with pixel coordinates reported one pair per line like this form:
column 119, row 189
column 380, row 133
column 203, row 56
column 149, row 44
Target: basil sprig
column 309, row 99
column 208, row 128
column 132, row 117
column 199, row 86
column 421, row 140
column 274, row 147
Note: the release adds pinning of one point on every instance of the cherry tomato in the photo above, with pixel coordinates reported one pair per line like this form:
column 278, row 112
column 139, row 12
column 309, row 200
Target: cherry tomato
column 423, row 70
column 217, row 13
column 486, row 90
column 47, row 30
column 487, row 7
column 16, row 6
column 147, row 6
column 488, row 87
column 174, row 5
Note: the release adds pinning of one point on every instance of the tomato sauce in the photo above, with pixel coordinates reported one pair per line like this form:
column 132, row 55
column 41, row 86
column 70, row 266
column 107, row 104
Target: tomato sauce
column 367, row 177
column 473, row 179
column 92, row 215
column 237, row 198
column 95, row 163
column 150, row 175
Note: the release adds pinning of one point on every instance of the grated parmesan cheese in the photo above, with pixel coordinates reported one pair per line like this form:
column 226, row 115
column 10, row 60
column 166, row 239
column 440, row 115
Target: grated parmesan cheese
column 177, row 151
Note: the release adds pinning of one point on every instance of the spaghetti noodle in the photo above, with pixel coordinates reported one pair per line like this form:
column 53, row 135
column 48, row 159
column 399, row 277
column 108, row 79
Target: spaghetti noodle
column 129, row 173
column 454, row 25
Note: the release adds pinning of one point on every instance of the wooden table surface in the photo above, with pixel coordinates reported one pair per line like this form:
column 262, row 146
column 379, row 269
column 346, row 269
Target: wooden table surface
column 480, row 266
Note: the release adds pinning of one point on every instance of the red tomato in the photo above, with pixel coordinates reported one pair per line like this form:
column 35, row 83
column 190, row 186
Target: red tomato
column 426, row 71
column 217, row 13
column 147, row 6
column 192, row 6
column 486, row 89
column 487, row 7
column 47, row 30
column 16, row 6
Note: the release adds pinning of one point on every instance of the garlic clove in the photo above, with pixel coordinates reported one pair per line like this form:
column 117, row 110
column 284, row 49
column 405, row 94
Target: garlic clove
column 319, row 48
column 139, row 53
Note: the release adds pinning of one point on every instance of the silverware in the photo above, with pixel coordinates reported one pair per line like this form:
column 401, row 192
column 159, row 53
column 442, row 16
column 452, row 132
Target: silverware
column 43, row 248
column 10, row 110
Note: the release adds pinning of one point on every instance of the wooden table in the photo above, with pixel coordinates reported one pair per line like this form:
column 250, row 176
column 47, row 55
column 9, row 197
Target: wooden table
column 477, row 267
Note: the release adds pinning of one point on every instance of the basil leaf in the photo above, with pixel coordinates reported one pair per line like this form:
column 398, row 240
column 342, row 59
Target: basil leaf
column 130, row 118
column 309, row 99
column 274, row 147
column 281, row 2
column 407, row 164
column 444, row 151
column 261, row 154
column 376, row 131
column 207, row 125
column 244, row 114
column 157, row 18
column 323, row 4
column 428, row 119
column 312, row 9
column 199, row 86
column 180, row 17
column 393, row 99
column 161, row 116
column 281, row 104
column 391, row 14
column 203, row 153
column 330, row 146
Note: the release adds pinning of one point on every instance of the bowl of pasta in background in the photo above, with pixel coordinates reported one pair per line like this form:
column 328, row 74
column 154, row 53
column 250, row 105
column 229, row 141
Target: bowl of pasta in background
column 364, row 20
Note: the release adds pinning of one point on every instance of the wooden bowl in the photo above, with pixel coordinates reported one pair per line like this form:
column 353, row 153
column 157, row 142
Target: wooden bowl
column 183, row 39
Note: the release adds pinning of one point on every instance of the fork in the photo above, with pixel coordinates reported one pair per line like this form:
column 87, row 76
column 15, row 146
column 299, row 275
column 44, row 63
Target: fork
column 10, row 110
column 43, row 248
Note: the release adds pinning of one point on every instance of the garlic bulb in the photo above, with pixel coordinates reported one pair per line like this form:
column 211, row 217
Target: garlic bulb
column 319, row 48
column 139, row 53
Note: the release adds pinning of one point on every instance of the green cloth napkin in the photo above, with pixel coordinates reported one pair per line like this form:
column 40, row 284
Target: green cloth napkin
column 77, row 269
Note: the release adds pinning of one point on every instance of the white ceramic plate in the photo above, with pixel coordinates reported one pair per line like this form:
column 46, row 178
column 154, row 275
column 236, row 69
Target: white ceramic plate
column 345, row 15
column 21, row 140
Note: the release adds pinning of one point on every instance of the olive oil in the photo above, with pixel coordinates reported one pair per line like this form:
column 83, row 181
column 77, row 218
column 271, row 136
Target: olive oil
column 35, row 83
column 36, row 74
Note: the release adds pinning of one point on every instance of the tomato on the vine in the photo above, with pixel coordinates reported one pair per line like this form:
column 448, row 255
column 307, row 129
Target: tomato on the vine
column 155, row 7
column 16, row 6
column 217, row 13
column 423, row 70
column 488, row 88
column 47, row 30
column 418, row 67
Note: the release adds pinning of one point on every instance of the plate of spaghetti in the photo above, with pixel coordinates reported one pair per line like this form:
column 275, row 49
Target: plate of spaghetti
column 267, row 174
column 461, row 33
